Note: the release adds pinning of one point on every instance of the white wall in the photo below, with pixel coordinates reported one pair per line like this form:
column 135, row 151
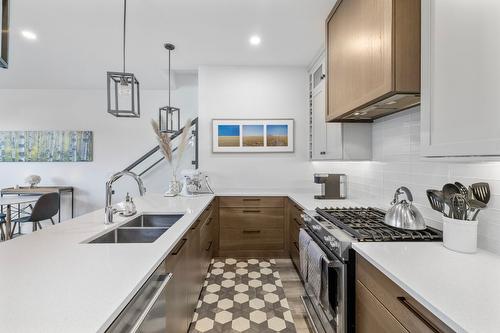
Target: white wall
column 255, row 93
column 117, row 141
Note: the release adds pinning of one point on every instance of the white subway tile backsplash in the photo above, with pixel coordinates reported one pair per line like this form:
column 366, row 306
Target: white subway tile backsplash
column 397, row 162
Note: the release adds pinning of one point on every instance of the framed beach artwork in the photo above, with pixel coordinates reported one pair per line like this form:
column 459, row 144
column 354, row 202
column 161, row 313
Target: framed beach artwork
column 252, row 136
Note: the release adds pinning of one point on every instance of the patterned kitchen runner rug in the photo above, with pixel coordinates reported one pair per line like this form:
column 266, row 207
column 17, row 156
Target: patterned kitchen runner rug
column 243, row 296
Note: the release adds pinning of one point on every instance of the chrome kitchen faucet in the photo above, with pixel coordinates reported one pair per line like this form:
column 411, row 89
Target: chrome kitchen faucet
column 109, row 210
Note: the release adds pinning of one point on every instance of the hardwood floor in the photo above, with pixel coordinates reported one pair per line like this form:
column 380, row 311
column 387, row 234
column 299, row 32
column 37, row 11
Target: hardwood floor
column 293, row 290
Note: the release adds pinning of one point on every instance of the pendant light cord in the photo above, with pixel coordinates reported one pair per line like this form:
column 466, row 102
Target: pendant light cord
column 169, row 77
column 124, row 30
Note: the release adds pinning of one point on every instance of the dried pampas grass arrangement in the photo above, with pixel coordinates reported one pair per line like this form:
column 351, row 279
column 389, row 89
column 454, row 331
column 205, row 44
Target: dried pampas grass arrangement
column 165, row 143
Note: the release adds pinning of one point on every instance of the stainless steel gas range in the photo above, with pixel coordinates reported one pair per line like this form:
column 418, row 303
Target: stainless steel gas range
column 334, row 230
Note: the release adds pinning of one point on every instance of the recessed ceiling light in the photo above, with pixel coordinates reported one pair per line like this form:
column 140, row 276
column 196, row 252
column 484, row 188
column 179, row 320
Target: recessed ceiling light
column 28, row 34
column 255, row 40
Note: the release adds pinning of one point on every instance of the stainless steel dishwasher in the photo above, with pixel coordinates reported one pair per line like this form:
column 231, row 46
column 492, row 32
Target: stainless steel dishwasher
column 146, row 312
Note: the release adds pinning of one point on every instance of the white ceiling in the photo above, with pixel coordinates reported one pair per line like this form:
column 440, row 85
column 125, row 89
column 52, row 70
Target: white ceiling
column 78, row 41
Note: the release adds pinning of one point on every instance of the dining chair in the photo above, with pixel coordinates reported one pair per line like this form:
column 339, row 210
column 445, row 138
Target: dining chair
column 2, row 224
column 45, row 208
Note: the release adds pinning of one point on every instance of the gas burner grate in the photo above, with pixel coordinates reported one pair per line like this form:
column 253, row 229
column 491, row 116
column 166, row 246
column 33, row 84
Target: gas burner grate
column 367, row 224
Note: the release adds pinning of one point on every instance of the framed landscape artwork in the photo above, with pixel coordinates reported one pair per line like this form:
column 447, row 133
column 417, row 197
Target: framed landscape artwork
column 46, row 146
column 252, row 136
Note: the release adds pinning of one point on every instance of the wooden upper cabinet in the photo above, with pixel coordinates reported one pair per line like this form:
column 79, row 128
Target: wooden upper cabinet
column 373, row 58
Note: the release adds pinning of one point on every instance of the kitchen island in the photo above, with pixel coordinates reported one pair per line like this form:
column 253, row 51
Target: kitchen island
column 52, row 281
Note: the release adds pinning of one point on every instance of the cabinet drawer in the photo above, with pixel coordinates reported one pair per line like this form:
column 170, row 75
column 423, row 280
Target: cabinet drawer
column 411, row 314
column 252, row 202
column 372, row 316
column 249, row 238
column 252, row 218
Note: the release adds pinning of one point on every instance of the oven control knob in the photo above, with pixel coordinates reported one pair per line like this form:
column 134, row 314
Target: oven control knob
column 305, row 218
column 334, row 245
column 329, row 238
column 316, row 227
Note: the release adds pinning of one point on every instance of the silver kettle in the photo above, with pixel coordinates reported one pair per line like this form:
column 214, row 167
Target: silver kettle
column 403, row 214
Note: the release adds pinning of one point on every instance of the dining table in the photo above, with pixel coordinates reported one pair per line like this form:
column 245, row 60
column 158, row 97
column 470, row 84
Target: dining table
column 6, row 204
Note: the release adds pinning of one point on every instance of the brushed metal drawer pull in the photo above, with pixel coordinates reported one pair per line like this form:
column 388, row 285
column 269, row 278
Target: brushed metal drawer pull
column 419, row 315
column 251, row 231
column 209, row 246
column 251, row 211
column 149, row 306
column 195, row 225
column 179, row 247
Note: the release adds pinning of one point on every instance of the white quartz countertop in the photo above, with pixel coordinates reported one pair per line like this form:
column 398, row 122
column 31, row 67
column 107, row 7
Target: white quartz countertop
column 307, row 201
column 463, row 290
column 52, row 282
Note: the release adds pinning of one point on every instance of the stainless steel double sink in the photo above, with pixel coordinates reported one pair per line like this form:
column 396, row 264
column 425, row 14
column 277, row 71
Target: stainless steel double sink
column 145, row 228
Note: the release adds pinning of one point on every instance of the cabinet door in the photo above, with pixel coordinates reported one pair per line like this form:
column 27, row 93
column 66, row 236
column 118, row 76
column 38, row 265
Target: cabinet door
column 460, row 78
column 326, row 137
column 178, row 313
column 194, row 267
column 206, row 245
column 359, row 38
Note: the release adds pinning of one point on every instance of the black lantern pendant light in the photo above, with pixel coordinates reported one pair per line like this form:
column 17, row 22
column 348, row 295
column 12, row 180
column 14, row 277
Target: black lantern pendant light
column 123, row 87
column 169, row 116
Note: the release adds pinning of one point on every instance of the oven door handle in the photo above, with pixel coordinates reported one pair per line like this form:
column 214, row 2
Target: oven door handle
column 334, row 273
column 334, row 263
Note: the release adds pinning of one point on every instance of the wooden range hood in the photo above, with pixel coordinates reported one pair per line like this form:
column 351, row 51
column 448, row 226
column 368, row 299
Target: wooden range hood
column 373, row 59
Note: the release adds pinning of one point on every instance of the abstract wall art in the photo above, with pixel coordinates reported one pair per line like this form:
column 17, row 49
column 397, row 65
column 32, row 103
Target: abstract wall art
column 46, row 146
column 252, row 135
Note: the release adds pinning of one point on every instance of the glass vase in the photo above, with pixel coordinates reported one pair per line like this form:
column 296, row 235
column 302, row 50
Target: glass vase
column 174, row 186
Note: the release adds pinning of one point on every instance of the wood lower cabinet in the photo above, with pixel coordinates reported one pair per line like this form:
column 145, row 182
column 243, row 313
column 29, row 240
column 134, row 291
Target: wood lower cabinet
column 294, row 225
column 382, row 306
column 207, row 238
column 178, row 313
column 189, row 262
column 372, row 316
column 252, row 226
column 194, row 265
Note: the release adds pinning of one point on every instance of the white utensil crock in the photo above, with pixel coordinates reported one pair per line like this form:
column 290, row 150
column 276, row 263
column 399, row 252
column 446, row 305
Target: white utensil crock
column 460, row 235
